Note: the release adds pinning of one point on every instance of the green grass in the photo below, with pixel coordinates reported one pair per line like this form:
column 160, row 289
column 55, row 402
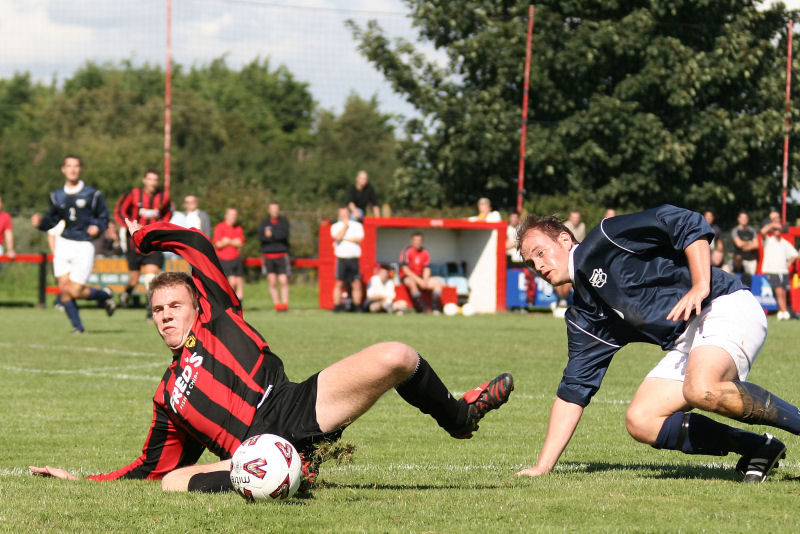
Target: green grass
column 84, row 403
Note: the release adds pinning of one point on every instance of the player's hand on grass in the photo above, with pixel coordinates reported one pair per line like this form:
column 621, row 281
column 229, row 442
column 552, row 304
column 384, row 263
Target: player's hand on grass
column 133, row 226
column 54, row 472
column 534, row 471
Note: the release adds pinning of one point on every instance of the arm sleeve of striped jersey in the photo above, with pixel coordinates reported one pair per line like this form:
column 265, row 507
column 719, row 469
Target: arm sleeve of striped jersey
column 166, row 448
column 122, row 209
column 664, row 226
column 216, row 294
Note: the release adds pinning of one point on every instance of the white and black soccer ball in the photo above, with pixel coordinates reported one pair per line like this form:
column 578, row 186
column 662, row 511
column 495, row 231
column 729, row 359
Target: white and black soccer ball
column 266, row 468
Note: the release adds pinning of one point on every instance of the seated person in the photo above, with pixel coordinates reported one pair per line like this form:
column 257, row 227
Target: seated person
column 381, row 294
column 415, row 272
column 485, row 212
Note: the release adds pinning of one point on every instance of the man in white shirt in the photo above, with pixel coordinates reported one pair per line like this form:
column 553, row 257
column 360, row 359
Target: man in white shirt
column 381, row 293
column 778, row 253
column 347, row 236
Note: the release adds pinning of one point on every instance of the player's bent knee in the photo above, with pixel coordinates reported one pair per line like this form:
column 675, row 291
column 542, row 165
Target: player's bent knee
column 700, row 395
column 398, row 358
column 640, row 426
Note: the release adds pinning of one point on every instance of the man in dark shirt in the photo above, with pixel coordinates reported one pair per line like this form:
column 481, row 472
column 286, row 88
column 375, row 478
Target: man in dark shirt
column 647, row 277
column 224, row 383
column 273, row 232
column 361, row 198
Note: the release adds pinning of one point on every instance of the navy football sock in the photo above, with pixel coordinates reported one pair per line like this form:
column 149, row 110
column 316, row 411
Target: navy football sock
column 763, row 408
column 97, row 294
column 72, row 312
column 693, row 433
column 426, row 391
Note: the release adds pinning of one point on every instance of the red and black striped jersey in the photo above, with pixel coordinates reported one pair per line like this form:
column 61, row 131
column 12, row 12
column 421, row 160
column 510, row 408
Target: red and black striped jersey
column 138, row 205
column 210, row 393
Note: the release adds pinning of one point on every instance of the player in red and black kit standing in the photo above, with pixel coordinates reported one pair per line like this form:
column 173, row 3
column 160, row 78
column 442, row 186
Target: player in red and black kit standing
column 145, row 205
column 224, row 384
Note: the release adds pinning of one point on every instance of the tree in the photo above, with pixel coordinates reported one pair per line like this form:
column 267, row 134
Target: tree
column 634, row 103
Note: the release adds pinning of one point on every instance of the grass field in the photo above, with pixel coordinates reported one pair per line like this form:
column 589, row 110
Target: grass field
column 84, row 403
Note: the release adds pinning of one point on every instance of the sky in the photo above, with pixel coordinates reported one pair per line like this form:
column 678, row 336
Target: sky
column 52, row 38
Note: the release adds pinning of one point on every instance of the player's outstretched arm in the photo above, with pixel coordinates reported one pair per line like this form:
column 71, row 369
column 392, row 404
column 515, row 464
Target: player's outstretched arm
column 55, row 472
column 564, row 418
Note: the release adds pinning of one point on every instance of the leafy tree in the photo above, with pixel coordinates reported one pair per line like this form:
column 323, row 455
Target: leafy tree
column 632, row 103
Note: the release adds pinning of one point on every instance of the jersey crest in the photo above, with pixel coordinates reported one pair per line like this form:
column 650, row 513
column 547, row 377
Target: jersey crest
column 598, row 278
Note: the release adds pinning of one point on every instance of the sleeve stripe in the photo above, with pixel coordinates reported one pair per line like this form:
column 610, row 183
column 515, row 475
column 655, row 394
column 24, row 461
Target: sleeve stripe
column 592, row 335
column 614, row 242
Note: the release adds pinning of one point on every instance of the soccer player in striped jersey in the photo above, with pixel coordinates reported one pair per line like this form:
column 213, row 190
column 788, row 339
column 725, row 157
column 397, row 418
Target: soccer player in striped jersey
column 225, row 384
column 145, row 205
column 647, row 277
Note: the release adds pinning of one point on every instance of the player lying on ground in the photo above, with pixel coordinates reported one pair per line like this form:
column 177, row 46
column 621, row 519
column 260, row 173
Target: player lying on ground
column 647, row 277
column 224, row 383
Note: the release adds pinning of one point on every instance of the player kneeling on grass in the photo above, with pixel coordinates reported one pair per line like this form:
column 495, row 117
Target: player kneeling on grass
column 647, row 277
column 224, row 383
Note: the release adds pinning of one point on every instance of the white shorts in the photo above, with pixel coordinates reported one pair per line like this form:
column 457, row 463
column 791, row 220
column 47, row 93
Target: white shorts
column 75, row 258
column 735, row 323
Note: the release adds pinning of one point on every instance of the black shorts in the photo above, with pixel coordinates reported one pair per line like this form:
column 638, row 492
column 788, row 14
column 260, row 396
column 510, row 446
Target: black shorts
column 136, row 260
column 290, row 412
column 234, row 267
column 778, row 280
column 347, row 269
column 277, row 265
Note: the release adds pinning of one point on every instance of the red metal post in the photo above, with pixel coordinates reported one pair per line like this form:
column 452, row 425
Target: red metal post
column 786, row 134
column 524, row 133
column 168, row 101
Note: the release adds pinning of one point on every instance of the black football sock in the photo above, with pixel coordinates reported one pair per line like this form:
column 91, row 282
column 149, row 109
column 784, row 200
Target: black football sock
column 211, row 482
column 693, row 433
column 763, row 408
column 436, row 301
column 419, row 303
column 98, row 295
column 425, row 390
column 72, row 312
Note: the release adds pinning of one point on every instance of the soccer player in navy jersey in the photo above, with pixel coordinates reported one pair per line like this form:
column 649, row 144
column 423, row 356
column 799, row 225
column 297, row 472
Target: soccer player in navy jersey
column 647, row 277
column 83, row 209
column 225, row 384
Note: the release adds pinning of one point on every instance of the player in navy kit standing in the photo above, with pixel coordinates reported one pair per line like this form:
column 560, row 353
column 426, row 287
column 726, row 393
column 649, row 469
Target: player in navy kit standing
column 83, row 210
column 647, row 277
column 225, row 384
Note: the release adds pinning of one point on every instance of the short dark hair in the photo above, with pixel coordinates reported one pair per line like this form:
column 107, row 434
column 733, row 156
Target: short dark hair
column 151, row 170
column 550, row 225
column 168, row 279
column 72, row 156
column 417, row 233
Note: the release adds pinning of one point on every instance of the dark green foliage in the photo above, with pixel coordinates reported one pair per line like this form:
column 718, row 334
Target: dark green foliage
column 632, row 103
column 240, row 138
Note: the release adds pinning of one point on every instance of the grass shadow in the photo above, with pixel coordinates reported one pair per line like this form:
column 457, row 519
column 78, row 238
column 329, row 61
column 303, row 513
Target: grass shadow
column 659, row 471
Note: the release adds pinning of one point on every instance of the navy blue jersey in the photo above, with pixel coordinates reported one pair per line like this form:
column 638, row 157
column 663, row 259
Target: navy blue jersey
column 79, row 210
column 628, row 274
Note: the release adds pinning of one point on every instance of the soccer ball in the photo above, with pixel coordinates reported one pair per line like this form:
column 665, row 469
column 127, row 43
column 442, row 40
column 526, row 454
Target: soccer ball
column 451, row 308
column 467, row 310
column 266, row 468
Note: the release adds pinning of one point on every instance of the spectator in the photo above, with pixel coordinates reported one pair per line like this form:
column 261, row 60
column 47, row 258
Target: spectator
column 745, row 245
column 108, row 243
column 228, row 241
column 610, row 212
column 6, row 233
column 415, row 272
column 576, row 225
column 83, row 210
column 195, row 217
column 347, row 235
column 513, row 257
column 485, row 212
column 146, row 204
column 381, row 294
column 274, row 235
column 778, row 254
column 361, row 197
column 716, row 242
